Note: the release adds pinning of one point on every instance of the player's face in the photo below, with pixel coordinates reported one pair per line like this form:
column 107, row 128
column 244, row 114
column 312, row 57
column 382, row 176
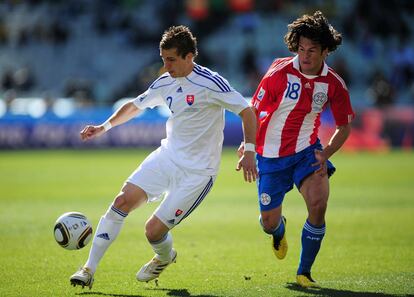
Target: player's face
column 311, row 56
column 175, row 64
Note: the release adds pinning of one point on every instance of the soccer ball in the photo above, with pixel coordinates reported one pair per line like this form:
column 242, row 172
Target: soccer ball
column 72, row 230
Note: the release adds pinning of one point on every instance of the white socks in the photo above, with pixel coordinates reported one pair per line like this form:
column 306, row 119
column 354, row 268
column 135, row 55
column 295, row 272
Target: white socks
column 163, row 248
column 108, row 229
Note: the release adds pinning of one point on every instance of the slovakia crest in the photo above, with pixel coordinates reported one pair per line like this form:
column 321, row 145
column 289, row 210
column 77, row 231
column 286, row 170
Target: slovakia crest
column 190, row 99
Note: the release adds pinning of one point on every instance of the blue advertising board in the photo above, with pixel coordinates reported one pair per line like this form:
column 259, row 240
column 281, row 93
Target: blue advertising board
column 51, row 131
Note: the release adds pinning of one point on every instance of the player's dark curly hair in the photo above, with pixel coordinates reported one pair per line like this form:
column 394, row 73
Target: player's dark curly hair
column 314, row 27
column 181, row 38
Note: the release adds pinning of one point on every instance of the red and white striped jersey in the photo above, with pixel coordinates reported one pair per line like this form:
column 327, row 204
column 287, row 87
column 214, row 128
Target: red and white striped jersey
column 289, row 104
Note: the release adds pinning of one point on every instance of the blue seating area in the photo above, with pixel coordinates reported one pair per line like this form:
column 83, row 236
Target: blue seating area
column 67, row 63
column 100, row 51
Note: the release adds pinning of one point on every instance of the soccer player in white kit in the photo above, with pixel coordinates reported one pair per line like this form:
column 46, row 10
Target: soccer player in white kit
column 184, row 167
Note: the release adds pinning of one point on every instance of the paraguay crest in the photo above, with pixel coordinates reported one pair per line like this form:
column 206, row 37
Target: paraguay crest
column 190, row 99
column 265, row 199
column 318, row 101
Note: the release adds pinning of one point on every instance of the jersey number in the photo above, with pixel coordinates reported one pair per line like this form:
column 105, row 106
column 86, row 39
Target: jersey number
column 292, row 91
column 169, row 100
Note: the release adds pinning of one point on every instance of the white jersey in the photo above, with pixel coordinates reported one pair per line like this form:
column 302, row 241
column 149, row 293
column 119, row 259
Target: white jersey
column 195, row 127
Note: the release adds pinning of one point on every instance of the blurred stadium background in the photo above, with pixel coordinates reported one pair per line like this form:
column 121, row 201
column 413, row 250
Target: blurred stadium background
column 67, row 63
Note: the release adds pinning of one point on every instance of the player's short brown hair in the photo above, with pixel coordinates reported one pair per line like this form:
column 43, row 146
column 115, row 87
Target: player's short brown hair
column 181, row 38
column 314, row 27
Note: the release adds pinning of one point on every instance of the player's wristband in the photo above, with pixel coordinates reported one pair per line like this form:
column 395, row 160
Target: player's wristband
column 249, row 147
column 107, row 126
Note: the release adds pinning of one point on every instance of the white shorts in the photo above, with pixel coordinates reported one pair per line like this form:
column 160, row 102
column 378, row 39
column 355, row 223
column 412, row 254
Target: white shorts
column 181, row 189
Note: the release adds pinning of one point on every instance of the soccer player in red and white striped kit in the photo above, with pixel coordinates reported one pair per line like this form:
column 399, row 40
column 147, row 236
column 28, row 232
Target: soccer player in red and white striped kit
column 288, row 103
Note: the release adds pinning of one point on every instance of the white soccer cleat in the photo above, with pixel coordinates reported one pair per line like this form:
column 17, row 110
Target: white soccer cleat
column 153, row 268
column 83, row 277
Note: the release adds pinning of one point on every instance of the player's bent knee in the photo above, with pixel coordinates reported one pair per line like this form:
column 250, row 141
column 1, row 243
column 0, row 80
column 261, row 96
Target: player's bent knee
column 155, row 230
column 269, row 224
column 318, row 209
column 124, row 202
column 130, row 197
column 119, row 201
column 153, row 234
column 270, row 219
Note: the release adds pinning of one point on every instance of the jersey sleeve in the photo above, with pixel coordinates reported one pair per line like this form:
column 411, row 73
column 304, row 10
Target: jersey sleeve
column 263, row 99
column 231, row 100
column 150, row 98
column 341, row 107
column 273, row 82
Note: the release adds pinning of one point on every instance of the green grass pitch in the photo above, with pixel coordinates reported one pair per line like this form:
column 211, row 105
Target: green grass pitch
column 368, row 249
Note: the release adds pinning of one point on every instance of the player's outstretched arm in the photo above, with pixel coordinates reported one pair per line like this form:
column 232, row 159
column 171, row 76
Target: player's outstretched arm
column 240, row 150
column 126, row 112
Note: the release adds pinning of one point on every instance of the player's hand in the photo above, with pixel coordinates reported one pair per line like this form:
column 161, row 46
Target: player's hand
column 240, row 150
column 90, row 132
column 248, row 163
column 321, row 161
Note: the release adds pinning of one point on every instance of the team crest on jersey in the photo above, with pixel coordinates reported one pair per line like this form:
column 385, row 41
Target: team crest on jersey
column 190, row 99
column 319, row 99
column 265, row 199
column 178, row 212
column 261, row 94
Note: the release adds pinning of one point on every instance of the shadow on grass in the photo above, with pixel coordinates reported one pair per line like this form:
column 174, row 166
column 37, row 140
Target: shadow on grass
column 326, row 292
column 108, row 294
column 170, row 292
column 180, row 293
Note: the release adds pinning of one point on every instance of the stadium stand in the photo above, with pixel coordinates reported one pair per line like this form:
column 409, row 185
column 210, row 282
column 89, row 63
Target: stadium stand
column 76, row 53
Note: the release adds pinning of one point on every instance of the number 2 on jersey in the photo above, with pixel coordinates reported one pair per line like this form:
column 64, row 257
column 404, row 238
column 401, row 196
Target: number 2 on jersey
column 169, row 100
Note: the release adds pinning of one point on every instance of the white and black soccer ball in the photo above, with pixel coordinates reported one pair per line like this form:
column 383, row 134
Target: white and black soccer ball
column 72, row 230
